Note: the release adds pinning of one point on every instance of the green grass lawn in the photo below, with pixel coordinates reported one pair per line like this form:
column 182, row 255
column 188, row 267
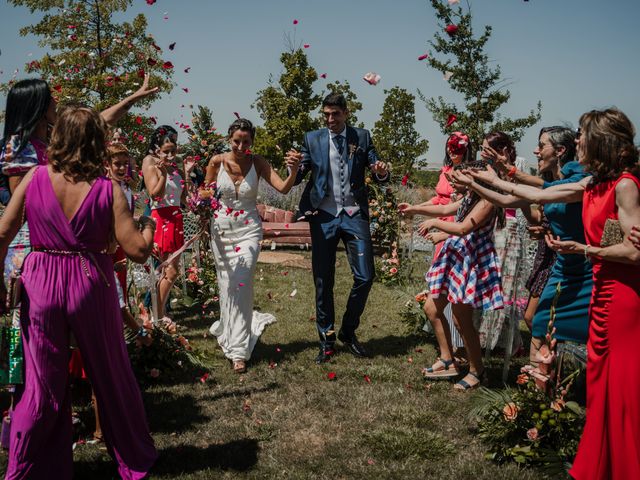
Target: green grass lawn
column 285, row 419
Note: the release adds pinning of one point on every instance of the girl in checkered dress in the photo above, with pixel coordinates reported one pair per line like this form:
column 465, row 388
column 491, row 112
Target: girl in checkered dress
column 466, row 274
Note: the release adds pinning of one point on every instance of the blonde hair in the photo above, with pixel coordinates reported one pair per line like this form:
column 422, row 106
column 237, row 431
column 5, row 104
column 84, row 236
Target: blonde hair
column 78, row 144
column 609, row 149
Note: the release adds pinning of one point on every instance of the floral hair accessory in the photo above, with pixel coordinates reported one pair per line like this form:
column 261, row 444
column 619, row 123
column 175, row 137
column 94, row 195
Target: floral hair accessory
column 458, row 143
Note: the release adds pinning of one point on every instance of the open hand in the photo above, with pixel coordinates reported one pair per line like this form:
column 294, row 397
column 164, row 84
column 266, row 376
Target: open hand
column 488, row 176
column 425, row 226
column 405, row 209
column 436, row 237
column 500, row 159
column 189, row 164
column 144, row 90
column 564, row 246
column 457, row 177
column 380, row 168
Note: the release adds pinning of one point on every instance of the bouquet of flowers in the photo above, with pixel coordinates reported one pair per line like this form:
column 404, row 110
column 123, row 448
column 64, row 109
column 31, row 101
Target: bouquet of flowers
column 205, row 201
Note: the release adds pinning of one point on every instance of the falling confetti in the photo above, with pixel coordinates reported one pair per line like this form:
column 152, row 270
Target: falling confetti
column 405, row 179
column 455, row 2
column 323, row 75
column 372, row 78
column 306, row 45
column 451, row 120
column 186, row 70
column 293, row 293
column 151, row 2
column 451, row 29
column 295, row 22
column 167, row 65
column 331, row 376
column 423, row 57
column 367, row 379
column 172, row 46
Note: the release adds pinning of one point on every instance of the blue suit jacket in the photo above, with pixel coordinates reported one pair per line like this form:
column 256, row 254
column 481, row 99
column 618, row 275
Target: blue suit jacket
column 315, row 150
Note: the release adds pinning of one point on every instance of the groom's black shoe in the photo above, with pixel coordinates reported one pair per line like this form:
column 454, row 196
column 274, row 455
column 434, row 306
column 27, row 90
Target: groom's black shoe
column 351, row 342
column 325, row 355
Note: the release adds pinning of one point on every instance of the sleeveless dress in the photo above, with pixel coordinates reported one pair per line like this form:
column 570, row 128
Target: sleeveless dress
column 169, row 236
column 34, row 154
column 236, row 232
column 572, row 272
column 444, row 191
column 467, row 269
column 69, row 288
column 610, row 443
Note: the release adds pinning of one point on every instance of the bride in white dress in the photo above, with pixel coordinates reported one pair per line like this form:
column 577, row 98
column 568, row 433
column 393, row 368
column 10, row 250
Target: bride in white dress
column 236, row 231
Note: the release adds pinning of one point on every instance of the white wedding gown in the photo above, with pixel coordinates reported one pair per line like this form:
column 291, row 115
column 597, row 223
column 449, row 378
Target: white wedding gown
column 236, row 235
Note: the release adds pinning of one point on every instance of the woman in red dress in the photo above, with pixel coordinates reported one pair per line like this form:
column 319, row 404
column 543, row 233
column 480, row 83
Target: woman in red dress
column 610, row 444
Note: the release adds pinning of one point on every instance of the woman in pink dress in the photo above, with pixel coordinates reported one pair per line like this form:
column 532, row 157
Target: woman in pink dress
column 69, row 288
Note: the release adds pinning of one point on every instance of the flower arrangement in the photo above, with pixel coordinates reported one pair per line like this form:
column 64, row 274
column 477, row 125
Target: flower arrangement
column 412, row 315
column 202, row 282
column 536, row 423
column 205, row 201
column 388, row 267
column 161, row 351
column 383, row 213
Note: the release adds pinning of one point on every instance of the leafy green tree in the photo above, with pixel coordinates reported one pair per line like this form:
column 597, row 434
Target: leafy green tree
column 286, row 107
column 464, row 62
column 395, row 135
column 353, row 104
column 95, row 60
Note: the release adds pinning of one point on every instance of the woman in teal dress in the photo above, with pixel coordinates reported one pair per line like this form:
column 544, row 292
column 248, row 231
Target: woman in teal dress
column 572, row 272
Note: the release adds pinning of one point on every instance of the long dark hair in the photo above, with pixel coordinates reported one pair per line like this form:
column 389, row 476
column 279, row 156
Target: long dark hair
column 160, row 136
column 27, row 102
column 499, row 141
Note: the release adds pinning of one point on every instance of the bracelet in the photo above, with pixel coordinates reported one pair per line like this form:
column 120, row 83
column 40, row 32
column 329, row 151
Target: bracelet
column 586, row 250
column 512, row 172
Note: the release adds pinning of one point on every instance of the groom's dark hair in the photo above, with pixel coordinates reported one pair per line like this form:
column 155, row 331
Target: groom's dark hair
column 335, row 100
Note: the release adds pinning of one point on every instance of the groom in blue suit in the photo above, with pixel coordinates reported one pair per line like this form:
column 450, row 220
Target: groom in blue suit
column 336, row 205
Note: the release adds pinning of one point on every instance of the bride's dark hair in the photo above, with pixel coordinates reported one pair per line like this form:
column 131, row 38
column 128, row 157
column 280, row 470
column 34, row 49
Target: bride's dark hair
column 243, row 125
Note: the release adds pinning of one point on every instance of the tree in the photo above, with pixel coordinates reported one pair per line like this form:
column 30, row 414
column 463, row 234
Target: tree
column 203, row 140
column 96, row 61
column 286, row 107
column 465, row 64
column 353, row 104
column 395, row 135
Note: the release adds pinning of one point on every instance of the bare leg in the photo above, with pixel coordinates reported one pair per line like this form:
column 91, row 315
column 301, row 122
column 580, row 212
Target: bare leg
column 463, row 318
column 170, row 274
column 434, row 309
column 97, row 434
column 532, row 306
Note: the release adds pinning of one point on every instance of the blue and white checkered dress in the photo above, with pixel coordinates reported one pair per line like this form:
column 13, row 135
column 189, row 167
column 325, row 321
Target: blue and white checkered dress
column 467, row 269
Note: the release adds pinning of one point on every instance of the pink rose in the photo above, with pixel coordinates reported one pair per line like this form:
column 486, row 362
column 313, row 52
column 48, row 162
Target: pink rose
column 532, row 434
column 154, row 373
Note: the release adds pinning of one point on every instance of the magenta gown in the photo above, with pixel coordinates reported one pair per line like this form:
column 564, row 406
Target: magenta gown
column 73, row 290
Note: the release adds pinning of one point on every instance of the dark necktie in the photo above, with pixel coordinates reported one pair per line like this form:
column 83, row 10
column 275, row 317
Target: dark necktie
column 339, row 141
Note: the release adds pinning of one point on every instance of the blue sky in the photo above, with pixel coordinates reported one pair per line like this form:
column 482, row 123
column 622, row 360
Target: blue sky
column 573, row 55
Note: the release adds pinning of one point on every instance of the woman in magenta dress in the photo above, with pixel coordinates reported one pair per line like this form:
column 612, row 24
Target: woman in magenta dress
column 72, row 212
column 610, row 443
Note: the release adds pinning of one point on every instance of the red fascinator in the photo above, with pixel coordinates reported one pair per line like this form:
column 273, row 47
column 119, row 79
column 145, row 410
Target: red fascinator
column 458, row 143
